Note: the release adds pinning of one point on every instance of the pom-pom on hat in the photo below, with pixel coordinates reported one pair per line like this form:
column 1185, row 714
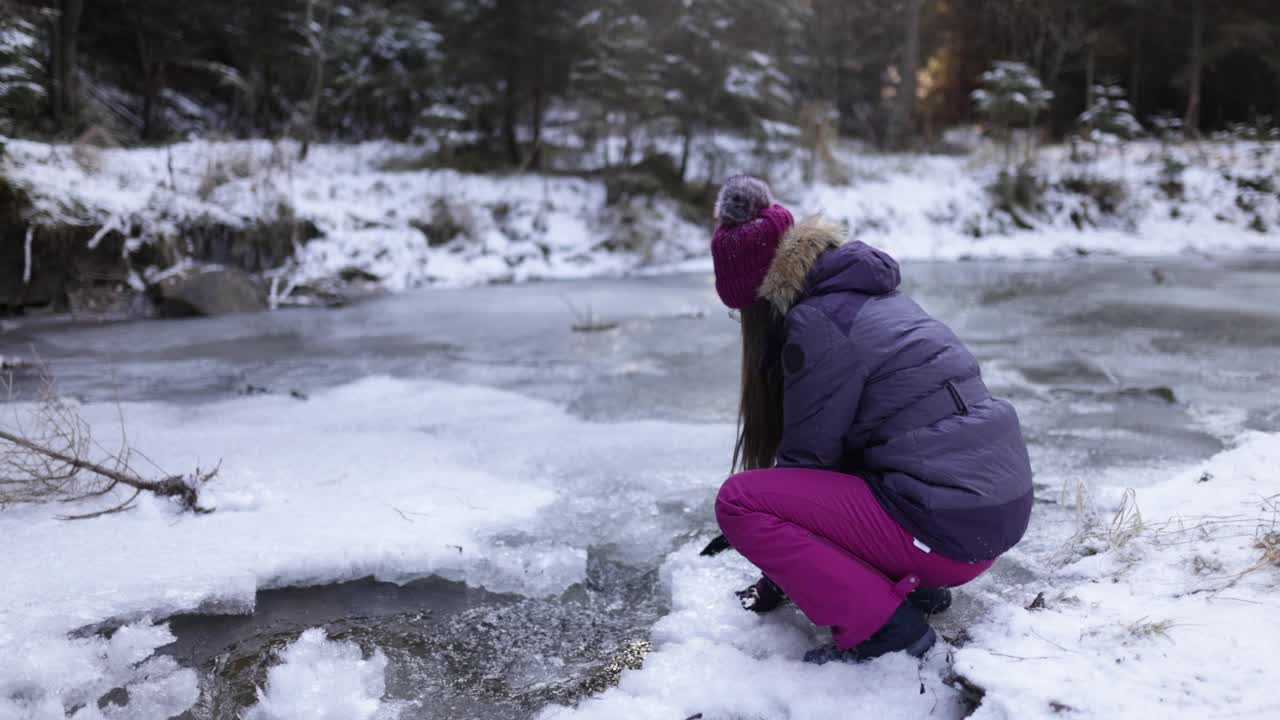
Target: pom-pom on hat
column 749, row 226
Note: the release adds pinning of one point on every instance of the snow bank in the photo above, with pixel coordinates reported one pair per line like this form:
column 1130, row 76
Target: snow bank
column 714, row 658
column 415, row 227
column 405, row 228
column 1169, row 610
column 324, row 679
column 1211, row 198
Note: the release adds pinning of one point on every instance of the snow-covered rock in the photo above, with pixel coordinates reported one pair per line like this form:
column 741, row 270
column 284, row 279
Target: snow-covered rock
column 209, row 292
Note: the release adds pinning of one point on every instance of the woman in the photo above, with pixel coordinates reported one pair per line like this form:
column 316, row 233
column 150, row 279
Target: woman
column 876, row 468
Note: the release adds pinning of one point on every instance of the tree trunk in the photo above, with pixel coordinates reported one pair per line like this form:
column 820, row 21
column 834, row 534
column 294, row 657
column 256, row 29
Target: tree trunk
column 1192, row 121
column 65, row 96
column 686, row 147
column 509, row 120
column 628, row 144
column 1090, row 73
column 1135, row 71
column 539, row 110
column 902, row 125
column 152, row 82
column 315, row 37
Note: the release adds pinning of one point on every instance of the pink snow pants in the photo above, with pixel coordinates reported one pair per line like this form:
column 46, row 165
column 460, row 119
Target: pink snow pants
column 826, row 541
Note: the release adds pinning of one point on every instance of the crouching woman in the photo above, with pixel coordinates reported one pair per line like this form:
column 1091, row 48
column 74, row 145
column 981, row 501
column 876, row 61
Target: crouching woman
column 876, row 468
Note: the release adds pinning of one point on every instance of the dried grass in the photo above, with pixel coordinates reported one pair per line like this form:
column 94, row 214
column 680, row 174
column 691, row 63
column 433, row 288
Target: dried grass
column 220, row 169
column 1093, row 536
column 1142, row 629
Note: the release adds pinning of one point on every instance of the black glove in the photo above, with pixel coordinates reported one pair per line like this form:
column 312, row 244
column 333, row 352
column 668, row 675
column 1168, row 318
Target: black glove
column 763, row 597
column 716, row 546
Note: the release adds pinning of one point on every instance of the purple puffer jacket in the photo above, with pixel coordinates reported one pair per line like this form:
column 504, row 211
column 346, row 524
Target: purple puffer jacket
column 877, row 388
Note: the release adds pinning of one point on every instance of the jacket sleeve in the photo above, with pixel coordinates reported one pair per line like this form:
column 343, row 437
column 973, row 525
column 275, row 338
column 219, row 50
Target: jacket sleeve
column 823, row 381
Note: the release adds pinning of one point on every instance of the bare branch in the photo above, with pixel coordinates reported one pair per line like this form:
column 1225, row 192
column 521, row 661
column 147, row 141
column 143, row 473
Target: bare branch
column 47, row 455
column 126, row 505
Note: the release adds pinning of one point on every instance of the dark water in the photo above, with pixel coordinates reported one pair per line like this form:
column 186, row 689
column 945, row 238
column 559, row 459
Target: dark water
column 1113, row 365
column 453, row 651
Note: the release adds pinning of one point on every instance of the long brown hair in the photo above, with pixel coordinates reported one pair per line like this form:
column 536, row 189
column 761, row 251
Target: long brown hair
column 760, row 405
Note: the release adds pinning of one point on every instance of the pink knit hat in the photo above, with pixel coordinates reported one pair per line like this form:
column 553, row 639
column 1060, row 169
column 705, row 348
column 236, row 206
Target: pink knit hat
column 750, row 225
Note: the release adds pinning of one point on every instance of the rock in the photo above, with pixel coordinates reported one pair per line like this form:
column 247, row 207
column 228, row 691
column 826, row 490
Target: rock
column 447, row 222
column 352, row 273
column 1156, row 393
column 265, row 245
column 208, row 292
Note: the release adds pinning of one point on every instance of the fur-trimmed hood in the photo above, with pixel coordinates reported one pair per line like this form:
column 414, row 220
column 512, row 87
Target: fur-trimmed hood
column 802, row 265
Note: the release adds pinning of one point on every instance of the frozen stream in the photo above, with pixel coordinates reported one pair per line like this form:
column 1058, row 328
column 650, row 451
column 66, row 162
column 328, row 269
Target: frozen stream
column 1118, row 368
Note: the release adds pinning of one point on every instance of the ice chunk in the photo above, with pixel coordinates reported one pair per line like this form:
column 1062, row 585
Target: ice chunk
column 324, row 679
column 47, row 678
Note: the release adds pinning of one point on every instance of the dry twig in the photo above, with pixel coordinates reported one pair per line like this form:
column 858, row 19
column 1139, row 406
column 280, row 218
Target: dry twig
column 48, row 456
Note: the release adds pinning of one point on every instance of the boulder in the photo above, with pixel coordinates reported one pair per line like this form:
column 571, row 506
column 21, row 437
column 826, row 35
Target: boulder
column 209, row 291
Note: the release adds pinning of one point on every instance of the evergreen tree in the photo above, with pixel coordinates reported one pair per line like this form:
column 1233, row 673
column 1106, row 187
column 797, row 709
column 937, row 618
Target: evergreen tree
column 527, row 49
column 383, row 73
column 619, row 79
column 1011, row 96
column 1110, row 120
column 22, row 73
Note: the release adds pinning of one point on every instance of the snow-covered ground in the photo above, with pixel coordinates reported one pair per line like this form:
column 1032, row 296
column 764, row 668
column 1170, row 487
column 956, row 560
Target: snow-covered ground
column 414, row 227
column 713, row 658
column 1166, row 609
column 1226, row 198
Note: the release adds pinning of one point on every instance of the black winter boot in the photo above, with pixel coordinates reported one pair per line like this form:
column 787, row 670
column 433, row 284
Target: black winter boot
column 930, row 601
column 905, row 630
column 762, row 597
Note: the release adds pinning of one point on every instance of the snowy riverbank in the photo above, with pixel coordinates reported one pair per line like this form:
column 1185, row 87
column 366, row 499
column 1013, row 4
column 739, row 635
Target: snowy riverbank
column 371, row 217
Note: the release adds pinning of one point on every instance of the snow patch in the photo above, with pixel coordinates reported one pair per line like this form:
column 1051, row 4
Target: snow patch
column 324, row 679
column 712, row 657
column 1169, row 613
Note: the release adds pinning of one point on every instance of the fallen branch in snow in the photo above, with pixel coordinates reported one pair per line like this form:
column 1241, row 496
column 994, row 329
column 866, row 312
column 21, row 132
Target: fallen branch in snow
column 49, row 459
column 108, row 227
